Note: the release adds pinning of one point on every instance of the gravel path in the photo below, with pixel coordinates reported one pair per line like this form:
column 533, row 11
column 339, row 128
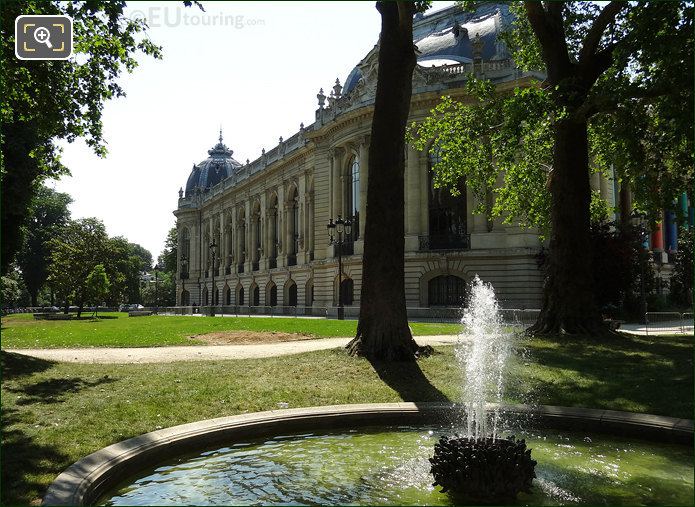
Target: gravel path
column 141, row 355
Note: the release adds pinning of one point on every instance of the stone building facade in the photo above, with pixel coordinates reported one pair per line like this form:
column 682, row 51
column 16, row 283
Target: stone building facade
column 268, row 217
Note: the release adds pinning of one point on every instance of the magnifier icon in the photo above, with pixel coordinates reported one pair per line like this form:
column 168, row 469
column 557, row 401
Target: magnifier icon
column 43, row 36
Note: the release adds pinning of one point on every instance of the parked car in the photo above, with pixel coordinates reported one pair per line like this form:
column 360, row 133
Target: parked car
column 125, row 308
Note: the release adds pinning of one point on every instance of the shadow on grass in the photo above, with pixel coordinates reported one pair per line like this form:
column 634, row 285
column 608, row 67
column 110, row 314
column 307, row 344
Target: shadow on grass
column 629, row 373
column 24, row 462
column 98, row 317
column 18, row 365
column 54, row 390
column 408, row 380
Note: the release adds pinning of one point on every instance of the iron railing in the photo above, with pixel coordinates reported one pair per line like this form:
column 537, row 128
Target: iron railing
column 668, row 323
column 445, row 242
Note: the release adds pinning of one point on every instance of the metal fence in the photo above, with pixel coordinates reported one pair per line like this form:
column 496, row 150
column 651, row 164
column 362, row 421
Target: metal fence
column 244, row 311
column 668, row 322
column 511, row 317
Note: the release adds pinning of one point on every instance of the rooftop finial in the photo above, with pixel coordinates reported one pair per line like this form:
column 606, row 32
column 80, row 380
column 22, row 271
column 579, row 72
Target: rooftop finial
column 220, row 134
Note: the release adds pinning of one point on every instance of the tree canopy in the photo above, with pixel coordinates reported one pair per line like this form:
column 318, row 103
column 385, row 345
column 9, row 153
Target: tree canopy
column 167, row 259
column 48, row 213
column 43, row 101
column 80, row 246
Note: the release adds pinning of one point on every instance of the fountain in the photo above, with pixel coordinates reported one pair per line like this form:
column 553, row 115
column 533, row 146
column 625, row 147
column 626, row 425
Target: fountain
column 479, row 466
column 383, row 453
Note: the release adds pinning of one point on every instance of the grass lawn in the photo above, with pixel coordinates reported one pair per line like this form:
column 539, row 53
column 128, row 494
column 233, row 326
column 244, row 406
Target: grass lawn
column 55, row 413
column 119, row 330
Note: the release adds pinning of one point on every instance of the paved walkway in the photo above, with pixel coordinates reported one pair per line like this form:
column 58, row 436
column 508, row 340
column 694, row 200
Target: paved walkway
column 142, row 355
column 659, row 328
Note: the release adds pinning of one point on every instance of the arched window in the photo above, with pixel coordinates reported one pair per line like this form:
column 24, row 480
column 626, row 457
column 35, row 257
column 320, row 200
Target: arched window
column 293, row 228
column 256, row 237
column 353, row 195
column 205, row 296
column 241, row 241
column 292, row 294
column 273, row 295
column 185, row 298
column 228, row 296
column 348, row 290
column 446, row 290
column 256, row 296
column 294, row 220
column 447, row 213
column 215, row 296
column 240, row 297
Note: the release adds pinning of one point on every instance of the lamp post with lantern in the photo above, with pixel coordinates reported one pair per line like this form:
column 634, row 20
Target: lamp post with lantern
column 338, row 232
column 156, row 287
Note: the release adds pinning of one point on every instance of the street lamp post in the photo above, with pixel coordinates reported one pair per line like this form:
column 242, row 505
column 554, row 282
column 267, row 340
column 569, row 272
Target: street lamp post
column 213, row 249
column 184, row 276
column 156, row 287
column 342, row 228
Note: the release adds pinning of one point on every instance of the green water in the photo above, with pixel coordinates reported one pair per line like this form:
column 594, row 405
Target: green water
column 389, row 466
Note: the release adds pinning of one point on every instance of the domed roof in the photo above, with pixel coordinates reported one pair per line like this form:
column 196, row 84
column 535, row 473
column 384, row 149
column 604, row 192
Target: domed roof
column 447, row 36
column 208, row 173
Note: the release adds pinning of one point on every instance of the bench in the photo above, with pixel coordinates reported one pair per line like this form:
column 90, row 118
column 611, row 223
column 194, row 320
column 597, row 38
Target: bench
column 139, row 313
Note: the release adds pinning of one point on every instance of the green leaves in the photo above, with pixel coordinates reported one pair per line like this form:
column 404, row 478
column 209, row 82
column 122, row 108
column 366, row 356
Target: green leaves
column 45, row 101
column 496, row 139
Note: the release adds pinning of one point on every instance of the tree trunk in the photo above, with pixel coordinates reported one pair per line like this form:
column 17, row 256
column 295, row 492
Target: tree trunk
column 382, row 331
column 568, row 301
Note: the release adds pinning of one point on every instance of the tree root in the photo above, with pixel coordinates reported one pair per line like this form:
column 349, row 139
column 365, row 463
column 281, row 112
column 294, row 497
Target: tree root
column 410, row 352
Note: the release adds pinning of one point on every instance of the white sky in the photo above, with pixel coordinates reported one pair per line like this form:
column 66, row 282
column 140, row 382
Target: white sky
column 257, row 77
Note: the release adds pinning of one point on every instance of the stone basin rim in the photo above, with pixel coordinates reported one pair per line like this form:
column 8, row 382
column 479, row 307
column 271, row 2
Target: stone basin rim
column 86, row 480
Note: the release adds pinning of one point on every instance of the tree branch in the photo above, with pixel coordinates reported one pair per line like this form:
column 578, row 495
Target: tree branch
column 548, row 28
column 606, row 103
column 593, row 37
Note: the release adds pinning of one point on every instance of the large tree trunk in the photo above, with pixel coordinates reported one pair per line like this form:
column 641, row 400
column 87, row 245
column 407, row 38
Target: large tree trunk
column 568, row 301
column 382, row 331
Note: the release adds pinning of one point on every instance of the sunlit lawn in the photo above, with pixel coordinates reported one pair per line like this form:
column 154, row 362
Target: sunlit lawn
column 119, row 330
column 55, row 413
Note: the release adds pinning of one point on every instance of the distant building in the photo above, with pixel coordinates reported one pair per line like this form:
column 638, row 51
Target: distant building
column 269, row 216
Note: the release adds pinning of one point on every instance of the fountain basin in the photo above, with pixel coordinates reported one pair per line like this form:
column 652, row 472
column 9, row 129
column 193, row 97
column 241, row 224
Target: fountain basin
column 87, row 480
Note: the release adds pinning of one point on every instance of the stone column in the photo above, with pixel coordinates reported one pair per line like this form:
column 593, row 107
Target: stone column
column 337, row 190
column 301, row 204
column 479, row 219
column 595, row 181
column 412, row 191
column 424, row 199
column 310, row 219
column 364, row 178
